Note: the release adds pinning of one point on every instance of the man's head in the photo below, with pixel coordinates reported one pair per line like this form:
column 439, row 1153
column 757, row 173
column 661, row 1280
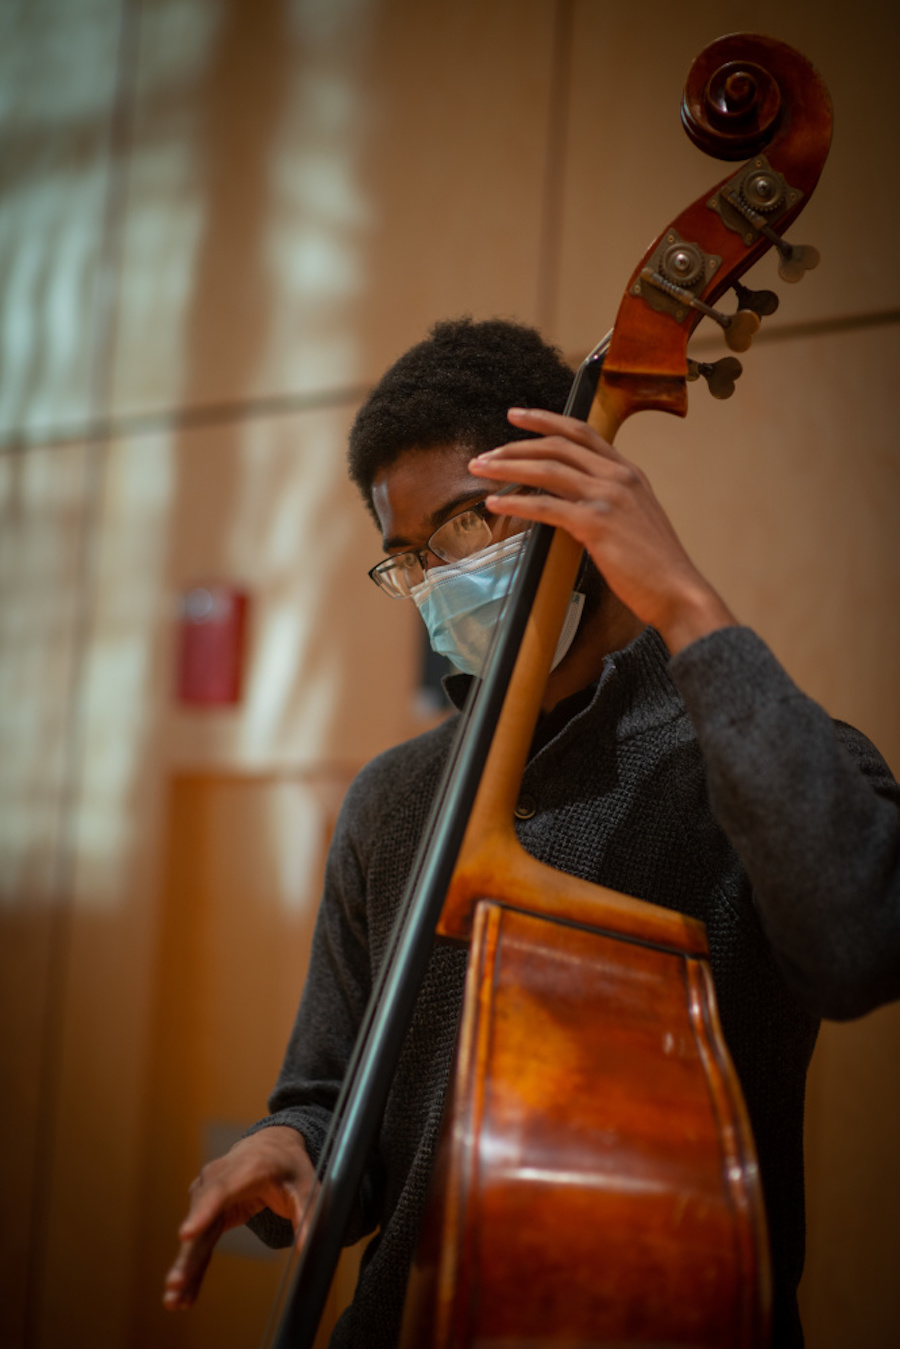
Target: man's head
column 440, row 404
column 454, row 389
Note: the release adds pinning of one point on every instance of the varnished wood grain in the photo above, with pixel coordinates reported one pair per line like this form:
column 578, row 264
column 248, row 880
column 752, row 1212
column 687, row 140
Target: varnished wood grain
column 612, row 1196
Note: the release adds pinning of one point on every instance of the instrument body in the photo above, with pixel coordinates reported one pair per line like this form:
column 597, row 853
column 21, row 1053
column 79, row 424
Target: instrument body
column 597, row 1181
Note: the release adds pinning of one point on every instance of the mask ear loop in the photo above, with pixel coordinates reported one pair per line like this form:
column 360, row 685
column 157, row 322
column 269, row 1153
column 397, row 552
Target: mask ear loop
column 569, row 629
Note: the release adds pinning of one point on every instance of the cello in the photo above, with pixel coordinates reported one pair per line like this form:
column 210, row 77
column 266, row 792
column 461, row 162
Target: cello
column 643, row 1190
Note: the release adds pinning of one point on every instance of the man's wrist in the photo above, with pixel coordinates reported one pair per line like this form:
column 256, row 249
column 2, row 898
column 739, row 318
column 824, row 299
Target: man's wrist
column 696, row 615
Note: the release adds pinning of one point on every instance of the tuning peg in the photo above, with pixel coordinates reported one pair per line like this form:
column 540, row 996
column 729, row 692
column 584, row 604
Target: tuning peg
column 720, row 375
column 795, row 258
column 740, row 328
column 762, row 302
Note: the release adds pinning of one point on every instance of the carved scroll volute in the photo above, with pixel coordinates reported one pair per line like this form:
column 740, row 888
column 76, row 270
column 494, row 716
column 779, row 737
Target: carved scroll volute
column 745, row 96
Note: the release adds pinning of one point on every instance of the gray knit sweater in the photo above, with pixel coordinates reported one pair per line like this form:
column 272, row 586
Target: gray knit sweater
column 709, row 784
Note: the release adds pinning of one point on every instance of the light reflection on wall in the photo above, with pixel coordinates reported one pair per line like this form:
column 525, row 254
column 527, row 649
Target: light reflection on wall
column 295, row 521
column 41, row 496
column 297, row 824
column 57, row 72
column 318, row 217
column 166, row 215
column 120, row 674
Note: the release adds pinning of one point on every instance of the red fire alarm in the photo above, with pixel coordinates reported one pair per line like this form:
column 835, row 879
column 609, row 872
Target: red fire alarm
column 212, row 625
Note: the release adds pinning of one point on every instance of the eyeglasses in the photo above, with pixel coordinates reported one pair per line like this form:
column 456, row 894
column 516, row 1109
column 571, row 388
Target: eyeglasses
column 453, row 541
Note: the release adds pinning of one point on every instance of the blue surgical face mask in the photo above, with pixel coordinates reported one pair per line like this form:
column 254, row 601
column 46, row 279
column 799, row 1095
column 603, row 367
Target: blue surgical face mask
column 460, row 604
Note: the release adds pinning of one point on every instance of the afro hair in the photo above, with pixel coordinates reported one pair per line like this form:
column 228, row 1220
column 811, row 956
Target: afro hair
column 455, row 388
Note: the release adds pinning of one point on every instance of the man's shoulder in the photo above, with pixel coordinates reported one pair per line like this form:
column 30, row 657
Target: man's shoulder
column 409, row 769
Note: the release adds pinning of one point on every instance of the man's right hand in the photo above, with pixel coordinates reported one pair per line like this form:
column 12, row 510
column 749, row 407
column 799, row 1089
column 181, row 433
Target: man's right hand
column 270, row 1169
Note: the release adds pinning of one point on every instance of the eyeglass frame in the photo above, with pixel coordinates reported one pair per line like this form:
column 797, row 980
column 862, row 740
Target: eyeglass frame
column 479, row 508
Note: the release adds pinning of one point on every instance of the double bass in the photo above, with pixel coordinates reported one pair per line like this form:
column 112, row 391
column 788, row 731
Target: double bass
column 597, row 1182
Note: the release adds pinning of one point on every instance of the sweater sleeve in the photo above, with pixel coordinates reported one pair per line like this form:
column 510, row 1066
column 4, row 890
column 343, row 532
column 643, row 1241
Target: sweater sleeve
column 334, row 998
column 812, row 810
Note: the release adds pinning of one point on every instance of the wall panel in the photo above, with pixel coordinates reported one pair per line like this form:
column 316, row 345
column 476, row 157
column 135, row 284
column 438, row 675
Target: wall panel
column 320, row 185
column 849, row 1293
column 244, row 859
column 42, row 536
column 100, row 993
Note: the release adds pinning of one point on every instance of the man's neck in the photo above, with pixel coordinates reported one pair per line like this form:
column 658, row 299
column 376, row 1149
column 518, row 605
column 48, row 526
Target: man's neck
column 608, row 628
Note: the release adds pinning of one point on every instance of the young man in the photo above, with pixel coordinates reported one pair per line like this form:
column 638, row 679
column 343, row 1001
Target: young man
column 674, row 760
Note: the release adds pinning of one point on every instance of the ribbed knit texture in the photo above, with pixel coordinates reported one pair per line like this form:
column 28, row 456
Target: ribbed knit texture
column 623, row 799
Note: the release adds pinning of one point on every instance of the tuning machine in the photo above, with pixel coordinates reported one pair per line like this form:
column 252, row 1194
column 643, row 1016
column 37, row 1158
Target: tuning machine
column 752, row 201
column 739, row 328
column 672, row 280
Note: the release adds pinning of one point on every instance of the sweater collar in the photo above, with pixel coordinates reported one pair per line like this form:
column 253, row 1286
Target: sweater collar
column 634, row 688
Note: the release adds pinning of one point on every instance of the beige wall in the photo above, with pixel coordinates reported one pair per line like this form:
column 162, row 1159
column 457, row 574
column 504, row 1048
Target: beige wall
column 219, row 222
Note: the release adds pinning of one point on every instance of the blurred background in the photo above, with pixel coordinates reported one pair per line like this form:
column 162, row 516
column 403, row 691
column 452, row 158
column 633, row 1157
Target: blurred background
column 220, row 220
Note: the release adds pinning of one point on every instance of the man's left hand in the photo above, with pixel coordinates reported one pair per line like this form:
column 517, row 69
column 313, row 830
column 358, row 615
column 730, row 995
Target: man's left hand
column 585, row 486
